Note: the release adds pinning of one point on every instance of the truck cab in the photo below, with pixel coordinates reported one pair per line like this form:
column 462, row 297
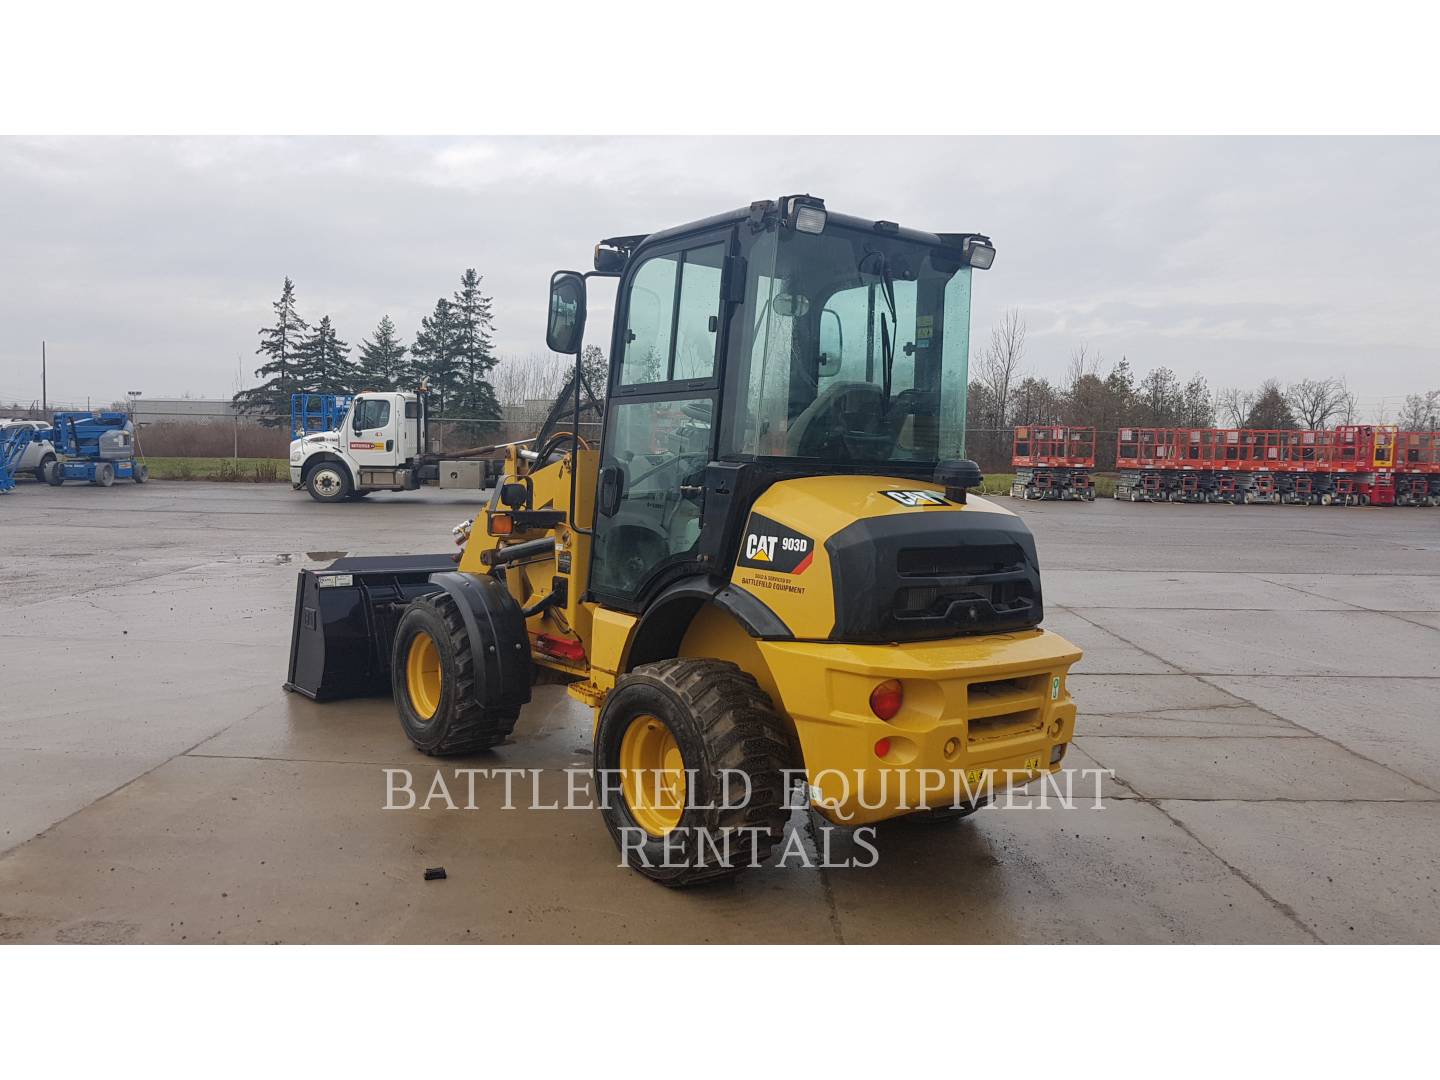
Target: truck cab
column 373, row 449
column 381, row 443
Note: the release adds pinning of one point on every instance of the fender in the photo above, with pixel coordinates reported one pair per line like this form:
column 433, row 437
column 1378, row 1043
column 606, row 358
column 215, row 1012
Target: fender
column 663, row 625
column 328, row 455
column 499, row 642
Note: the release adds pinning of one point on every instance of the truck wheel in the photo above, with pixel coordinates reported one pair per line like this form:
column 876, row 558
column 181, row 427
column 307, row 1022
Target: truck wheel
column 42, row 472
column 105, row 474
column 673, row 741
column 142, row 472
column 328, row 483
column 432, row 672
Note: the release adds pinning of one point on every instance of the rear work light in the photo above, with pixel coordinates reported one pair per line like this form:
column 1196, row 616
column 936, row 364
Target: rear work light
column 809, row 220
column 979, row 252
column 886, row 699
column 805, row 213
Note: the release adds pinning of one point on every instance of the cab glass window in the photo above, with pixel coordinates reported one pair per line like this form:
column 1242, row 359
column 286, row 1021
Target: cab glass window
column 371, row 413
column 672, row 317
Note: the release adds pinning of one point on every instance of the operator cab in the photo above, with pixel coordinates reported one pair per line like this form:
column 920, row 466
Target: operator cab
column 776, row 340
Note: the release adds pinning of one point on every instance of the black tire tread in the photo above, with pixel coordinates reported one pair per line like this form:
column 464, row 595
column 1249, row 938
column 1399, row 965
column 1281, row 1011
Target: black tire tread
column 744, row 733
column 473, row 727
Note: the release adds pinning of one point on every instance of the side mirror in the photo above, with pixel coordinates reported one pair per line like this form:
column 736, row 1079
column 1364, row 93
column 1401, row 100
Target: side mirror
column 566, row 328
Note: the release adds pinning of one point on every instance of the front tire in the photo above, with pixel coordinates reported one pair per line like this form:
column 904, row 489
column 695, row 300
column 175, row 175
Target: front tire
column 42, row 472
column 432, row 674
column 673, row 741
column 105, row 474
column 329, row 482
column 142, row 473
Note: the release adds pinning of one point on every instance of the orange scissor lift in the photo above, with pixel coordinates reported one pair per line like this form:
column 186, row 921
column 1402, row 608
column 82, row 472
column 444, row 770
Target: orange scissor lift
column 1352, row 465
column 1417, row 468
column 1053, row 461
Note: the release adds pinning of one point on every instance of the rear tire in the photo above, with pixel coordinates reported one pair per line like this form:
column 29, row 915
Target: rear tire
column 56, row 475
column 704, row 716
column 105, row 474
column 42, row 471
column 432, row 674
column 329, row 482
column 142, row 473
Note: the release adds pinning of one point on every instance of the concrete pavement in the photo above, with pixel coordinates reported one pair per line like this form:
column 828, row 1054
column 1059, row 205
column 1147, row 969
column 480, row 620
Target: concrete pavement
column 1262, row 680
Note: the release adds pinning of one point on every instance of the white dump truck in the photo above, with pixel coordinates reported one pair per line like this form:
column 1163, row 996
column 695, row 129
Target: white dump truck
column 380, row 442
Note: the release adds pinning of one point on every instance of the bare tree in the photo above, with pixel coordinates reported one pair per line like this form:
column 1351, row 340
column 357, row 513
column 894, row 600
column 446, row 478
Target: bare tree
column 1082, row 363
column 1000, row 366
column 1315, row 401
column 1349, row 406
column 1421, row 412
column 1233, row 405
column 535, row 377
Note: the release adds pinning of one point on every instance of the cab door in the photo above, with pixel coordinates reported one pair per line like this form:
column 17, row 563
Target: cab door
column 661, row 418
column 371, row 438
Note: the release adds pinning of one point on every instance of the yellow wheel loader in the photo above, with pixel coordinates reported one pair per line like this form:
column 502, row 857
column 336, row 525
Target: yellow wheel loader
column 766, row 577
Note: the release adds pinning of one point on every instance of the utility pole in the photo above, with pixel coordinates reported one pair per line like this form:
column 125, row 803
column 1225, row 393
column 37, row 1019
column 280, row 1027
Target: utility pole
column 44, row 397
column 239, row 377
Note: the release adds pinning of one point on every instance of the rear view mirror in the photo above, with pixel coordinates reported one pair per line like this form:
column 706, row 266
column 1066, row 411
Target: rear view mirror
column 566, row 328
column 791, row 305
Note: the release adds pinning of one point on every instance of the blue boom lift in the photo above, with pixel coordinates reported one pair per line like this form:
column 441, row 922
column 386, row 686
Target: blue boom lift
column 95, row 446
column 13, row 441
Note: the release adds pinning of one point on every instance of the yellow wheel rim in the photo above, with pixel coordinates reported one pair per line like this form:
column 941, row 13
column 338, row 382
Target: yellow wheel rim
column 422, row 675
column 652, row 775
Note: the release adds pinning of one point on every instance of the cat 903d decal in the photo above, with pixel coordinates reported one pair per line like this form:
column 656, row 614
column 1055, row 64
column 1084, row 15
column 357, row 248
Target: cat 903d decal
column 768, row 545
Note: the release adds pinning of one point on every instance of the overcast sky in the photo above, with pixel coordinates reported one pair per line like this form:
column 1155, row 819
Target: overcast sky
column 149, row 264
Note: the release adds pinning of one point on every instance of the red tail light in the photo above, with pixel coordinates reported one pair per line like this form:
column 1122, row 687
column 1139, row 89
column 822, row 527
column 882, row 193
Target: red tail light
column 886, row 699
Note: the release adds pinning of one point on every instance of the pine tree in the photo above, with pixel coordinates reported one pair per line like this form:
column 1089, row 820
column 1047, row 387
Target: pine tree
column 596, row 370
column 475, row 360
column 324, row 362
column 280, row 344
column 436, row 355
column 1271, row 411
column 382, row 359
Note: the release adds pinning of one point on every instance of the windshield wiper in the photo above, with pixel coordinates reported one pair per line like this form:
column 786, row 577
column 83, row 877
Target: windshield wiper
column 887, row 344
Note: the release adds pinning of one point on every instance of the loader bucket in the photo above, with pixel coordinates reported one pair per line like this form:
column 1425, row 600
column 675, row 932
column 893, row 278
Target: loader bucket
column 345, row 618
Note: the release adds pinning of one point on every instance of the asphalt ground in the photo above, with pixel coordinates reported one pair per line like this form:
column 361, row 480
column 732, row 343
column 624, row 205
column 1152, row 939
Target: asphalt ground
column 1264, row 683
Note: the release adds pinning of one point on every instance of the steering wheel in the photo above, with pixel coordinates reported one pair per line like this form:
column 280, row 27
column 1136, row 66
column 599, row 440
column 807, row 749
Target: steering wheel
column 675, row 460
column 820, row 431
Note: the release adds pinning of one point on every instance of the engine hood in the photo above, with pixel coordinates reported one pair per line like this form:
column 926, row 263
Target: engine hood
column 312, row 442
